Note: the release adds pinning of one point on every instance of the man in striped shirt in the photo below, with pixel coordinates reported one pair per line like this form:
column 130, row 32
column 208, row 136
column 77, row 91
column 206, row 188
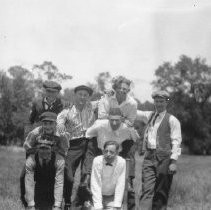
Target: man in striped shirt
column 74, row 121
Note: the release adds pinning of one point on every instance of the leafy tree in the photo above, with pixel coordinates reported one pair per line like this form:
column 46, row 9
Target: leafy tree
column 195, row 119
column 6, row 125
column 49, row 71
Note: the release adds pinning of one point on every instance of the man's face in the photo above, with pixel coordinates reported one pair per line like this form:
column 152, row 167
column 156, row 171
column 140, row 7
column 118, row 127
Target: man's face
column 49, row 126
column 160, row 104
column 51, row 95
column 115, row 121
column 81, row 97
column 122, row 90
column 44, row 153
column 110, row 153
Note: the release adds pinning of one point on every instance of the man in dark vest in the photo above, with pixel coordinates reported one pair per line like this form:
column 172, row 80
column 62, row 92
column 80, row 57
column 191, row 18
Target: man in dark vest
column 49, row 102
column 45, row 163
column 162, row 142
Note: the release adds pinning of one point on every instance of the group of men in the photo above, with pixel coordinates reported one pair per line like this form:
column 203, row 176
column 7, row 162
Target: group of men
column 72, row 134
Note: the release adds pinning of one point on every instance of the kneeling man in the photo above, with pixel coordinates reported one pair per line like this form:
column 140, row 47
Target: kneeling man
column 44, row 177
column 108, row 178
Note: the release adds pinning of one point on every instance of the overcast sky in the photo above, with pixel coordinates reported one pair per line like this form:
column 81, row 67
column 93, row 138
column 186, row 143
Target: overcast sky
column 84, row 38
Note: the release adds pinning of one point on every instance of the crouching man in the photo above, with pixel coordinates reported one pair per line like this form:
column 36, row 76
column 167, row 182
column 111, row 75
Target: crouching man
column 44, row 177
column 108, row 178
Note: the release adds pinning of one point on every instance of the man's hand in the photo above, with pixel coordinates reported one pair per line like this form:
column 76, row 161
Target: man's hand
column 173, row 167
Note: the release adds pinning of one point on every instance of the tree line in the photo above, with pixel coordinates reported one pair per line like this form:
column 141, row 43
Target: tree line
column 19, row 86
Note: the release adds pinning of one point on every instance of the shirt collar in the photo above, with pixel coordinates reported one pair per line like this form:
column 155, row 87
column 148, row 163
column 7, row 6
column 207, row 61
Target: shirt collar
column 113, row 163
column 46, row 101
column 161, row 114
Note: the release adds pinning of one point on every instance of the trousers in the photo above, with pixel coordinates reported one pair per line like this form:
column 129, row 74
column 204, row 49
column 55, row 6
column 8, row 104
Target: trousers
column 156, row 181
column 80, row 151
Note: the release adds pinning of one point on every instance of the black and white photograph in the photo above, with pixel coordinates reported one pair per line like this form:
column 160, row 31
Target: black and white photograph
column 105, row 105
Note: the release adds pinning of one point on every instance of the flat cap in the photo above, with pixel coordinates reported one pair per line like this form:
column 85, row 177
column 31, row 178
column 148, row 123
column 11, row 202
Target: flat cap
column 84, row 87
column 52, row 86
column 160, row 93
column 48, row 116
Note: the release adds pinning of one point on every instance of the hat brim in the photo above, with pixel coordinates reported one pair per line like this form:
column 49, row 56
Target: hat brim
column 48, row 119
column 52, row 89
column 89, row 90
column 44, row 147
column 160, row 96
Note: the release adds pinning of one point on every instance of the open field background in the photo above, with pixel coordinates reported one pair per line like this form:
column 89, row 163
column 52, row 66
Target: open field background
column 191, row 189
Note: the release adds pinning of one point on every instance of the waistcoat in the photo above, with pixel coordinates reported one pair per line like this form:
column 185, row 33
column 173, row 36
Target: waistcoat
column 163, row 139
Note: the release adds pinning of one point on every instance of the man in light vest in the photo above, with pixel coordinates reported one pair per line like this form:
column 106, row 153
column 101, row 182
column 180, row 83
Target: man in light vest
column 162, row 142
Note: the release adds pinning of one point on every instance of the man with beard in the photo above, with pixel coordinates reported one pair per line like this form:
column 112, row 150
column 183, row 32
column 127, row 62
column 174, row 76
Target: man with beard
column 120, row 99
column 44, row 177
column 108, row 178
column 74, row 121
column 162, row 142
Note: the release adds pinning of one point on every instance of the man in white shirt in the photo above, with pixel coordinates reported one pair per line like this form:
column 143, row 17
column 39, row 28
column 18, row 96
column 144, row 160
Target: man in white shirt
column 114, row 129
column 162, row 142
column 108, row 178
column 120, row 99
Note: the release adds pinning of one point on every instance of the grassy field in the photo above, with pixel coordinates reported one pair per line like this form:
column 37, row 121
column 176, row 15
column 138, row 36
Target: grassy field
column 191, row 189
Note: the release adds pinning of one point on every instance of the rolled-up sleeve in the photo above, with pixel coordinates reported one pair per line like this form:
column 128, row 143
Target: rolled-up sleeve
column 61, row 120
column 103, row 108
column 30, row 142
column 93, row 130
column 132, row 112
column 176, row 137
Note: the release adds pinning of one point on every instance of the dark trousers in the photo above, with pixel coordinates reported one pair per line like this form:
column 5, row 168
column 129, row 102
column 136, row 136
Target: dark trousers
column 81, row 151
column 126, row 153
column 156, row 180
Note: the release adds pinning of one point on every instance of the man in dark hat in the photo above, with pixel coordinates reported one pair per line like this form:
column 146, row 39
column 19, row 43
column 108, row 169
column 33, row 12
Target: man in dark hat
column 162, row 140
column 44, row 177
column 75, row 120
column 50, row 101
